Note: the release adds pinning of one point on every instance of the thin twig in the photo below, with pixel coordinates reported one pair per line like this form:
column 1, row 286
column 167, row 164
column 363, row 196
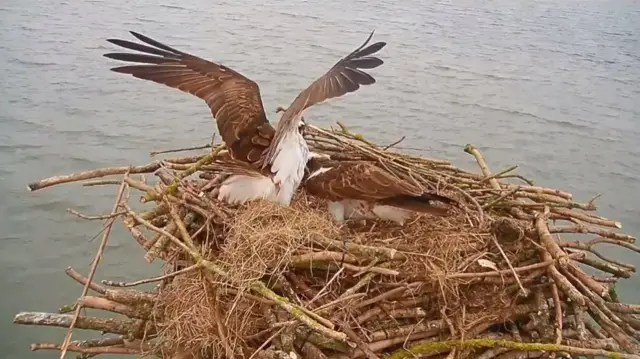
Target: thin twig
column 558, row 312
column 203, row 147
column 501, row 273
column 326, row 286
column 394, row 143
column 523, row 291
column 151, row 280
column 499, row 174
column 102, row 217
column 500, row 198
column 100, row 183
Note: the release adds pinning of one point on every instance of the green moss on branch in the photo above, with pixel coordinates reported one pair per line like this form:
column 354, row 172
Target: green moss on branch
column 427, row 347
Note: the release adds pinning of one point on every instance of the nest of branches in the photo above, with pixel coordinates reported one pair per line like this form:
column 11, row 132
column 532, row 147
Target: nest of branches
column 495, row 278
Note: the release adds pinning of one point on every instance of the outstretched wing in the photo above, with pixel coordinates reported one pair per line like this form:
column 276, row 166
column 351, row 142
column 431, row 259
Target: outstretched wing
column 359, row 181
column 345, row 76
column 234, row 99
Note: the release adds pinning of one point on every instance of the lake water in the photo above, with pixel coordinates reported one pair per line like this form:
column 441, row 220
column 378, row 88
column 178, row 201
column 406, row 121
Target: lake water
column 550, row 85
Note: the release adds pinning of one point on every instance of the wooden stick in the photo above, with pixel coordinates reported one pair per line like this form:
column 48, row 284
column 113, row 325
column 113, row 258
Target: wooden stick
column 100, row 183
column 523, row 291
column 501, row 173
column 592, row 230
column 203, row 147
column 101, row 172
column 527, row 268
column 102, row 217
column 108, row 325
column 558, row 312
column 151, row 280
column 548, row 242
column 500, row 198
column 94, row 265
column 123, row 296
column 86, row 350
column 469, row 148
column 566, row 213
column 114, row 307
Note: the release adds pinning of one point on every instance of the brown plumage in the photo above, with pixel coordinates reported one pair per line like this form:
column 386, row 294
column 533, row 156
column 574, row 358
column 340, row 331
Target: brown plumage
column 363, row 184
column 234, row 99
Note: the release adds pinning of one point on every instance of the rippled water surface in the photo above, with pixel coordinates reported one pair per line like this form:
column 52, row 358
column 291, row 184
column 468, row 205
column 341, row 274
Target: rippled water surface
column 550, row 85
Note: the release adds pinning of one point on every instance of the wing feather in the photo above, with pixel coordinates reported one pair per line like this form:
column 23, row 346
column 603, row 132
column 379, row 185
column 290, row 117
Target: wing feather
column 234, row 99
column 365, row 181
column 344, row 77
column 359, row 181
column 348, row 67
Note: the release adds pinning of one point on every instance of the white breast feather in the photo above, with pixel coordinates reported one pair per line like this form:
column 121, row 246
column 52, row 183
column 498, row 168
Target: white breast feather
column 288, row 165
column 240, row 188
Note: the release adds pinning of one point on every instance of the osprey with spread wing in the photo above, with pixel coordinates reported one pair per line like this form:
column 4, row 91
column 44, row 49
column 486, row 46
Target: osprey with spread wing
column 279, row 155
column 360, row 189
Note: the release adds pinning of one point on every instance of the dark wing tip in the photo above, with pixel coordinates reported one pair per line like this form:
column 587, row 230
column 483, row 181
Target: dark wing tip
column 117, row 56
column 367, row 40
column 369, row 50
column 142, row 38
column 366, row 62
column 119, row 42
column 156, row 43
column 122, row 69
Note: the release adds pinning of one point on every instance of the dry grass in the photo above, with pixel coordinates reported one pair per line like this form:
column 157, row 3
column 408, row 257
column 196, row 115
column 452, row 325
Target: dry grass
column 263, row 236
column 190, row 309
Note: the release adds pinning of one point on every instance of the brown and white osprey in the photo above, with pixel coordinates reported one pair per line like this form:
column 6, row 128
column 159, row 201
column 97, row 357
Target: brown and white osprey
column 360, row 189
column 281, row 153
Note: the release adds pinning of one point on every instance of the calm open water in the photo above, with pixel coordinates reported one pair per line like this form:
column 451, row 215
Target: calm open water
column 550, row 85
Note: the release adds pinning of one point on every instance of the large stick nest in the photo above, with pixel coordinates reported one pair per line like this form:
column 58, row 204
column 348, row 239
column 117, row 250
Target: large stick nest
column 492, row 279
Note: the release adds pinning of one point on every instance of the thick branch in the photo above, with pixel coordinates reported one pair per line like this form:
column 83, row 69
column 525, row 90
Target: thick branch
column 107, row 325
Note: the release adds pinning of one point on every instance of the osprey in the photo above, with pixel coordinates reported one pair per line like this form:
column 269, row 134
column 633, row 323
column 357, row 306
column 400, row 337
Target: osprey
column 360, row 189
column 279, row 154
column 241, row 181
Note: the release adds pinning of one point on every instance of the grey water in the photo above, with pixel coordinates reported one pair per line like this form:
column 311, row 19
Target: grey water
column 553, row 86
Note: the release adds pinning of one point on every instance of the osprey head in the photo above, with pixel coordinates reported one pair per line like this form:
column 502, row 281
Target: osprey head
column 302, row 126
